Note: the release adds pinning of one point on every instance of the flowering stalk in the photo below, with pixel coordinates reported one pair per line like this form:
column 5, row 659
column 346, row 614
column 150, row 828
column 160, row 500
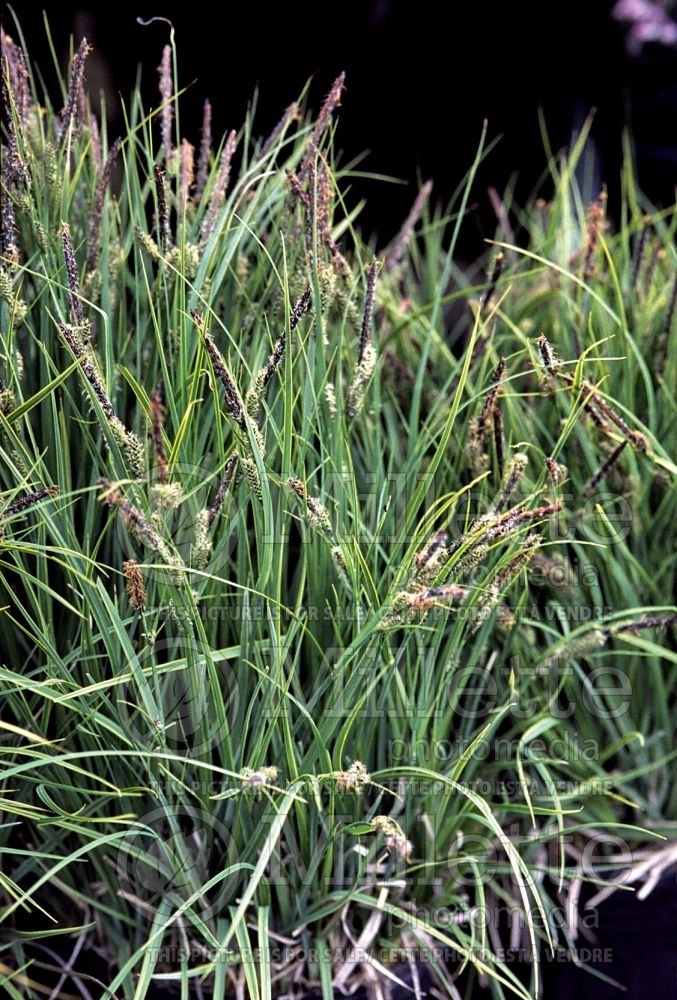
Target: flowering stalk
column 492, row 396
column 74, row 299
column 478, row 429
column 220, row 188
column 605, row 467
column 133, row 517
column 317, row 514
column 550, row 362
column 232, row 399
column 158, row 416
column 508, row 524
column 164, row 234
column 291, row 114
column 363, row 374
column 323, row 215
column 397, row 251
column 97, row 212
column 432, row 595
column 74, row 88
column 201, row 548
column 595, row 228
column 223, row 489
column 365, row 333
column 557, row 472
column 499, row 440
column 128, row 442
column 366, row 355
column 306, row 201
column 395, row 840
column 331, row 102
column 7, row 217
column 355, row 779
column 634, row 437
column 165, row 71
column 657, row 621
column 15, row 73
column 516, row 469
column 265, row 374
column 503, row 579
column 186, row 175
column 89, row 370
column 251, row 475
column 437, row 542
column 23, row 503
column 205, row 150
column 136, row 589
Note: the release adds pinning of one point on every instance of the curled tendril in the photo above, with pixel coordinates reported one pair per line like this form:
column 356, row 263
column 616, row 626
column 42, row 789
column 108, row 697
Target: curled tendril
column 146, row 22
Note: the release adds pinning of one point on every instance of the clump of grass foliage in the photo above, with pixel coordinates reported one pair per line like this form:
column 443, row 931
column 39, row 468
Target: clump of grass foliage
column 335, row 586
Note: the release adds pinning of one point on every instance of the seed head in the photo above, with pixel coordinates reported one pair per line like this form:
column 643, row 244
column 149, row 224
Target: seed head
column 514, row 475
column 365, row 333
column 223, row 488
column 165, row 71
column 355, row 779
column 331, row 102
column 317, row 515
column 330, row 396
column 72, row 275
column 395, row 840
column 136, row 590
column 558, row 473
column 220, row 188
column 164, row 233
column 158, row 417
column 70, row 109
column 97, row 212
column 205, row 150
column 166, row 496
column 251, row 474
column 595, row 227
column 258, row 778
column 202, row 545
column 133, row 517
column 186, row 174
column 363, row 374
column 130, row 445
column 21, row 504
column 232, row 400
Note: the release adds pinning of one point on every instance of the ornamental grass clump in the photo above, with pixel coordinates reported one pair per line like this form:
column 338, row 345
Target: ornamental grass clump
column 307, row 578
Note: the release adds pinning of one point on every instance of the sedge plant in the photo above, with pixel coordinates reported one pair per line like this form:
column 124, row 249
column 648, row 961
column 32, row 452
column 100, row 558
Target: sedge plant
column 336, row 587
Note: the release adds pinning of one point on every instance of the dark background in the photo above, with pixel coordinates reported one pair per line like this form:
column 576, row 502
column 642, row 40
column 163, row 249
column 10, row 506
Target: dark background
column 420, row 80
